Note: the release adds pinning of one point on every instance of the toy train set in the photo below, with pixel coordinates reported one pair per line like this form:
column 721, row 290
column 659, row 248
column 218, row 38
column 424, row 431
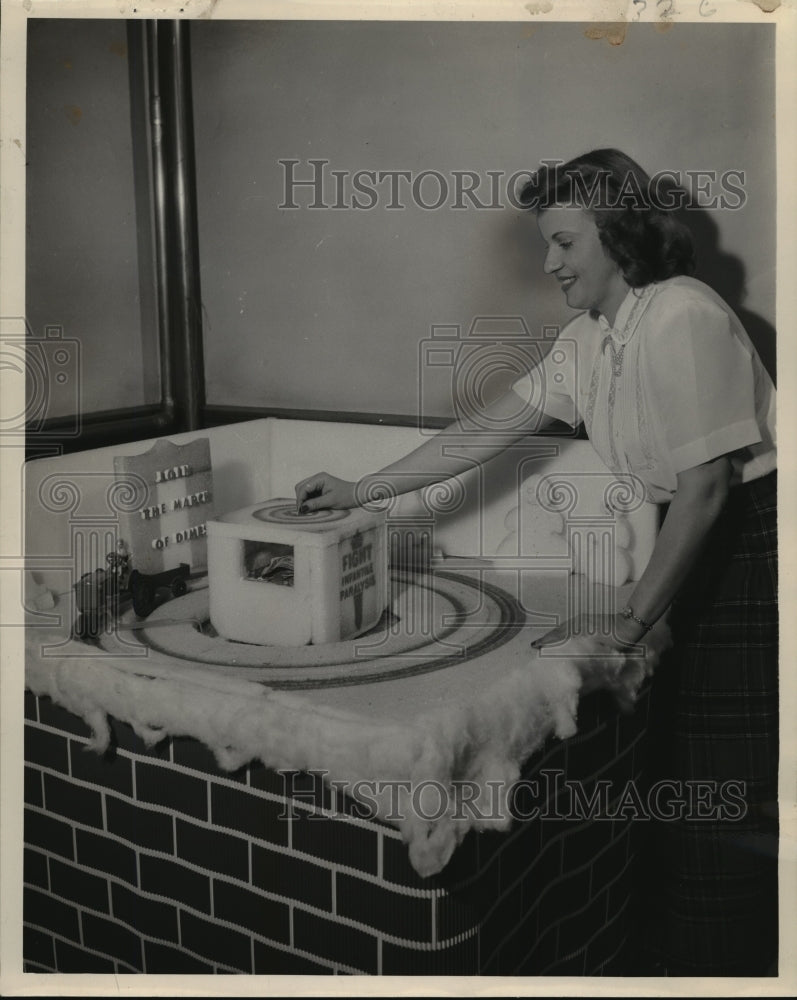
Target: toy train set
column 99, row 593
column 275, row 577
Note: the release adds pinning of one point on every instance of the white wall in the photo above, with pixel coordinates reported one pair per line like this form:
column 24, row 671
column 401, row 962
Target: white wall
column 326, row 309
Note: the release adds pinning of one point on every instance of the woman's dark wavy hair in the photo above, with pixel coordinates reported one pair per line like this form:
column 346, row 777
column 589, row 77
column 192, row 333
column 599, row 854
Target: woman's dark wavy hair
column 637, row 229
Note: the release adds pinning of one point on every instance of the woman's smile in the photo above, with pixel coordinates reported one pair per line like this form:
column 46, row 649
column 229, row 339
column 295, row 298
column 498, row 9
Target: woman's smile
column 576, row 257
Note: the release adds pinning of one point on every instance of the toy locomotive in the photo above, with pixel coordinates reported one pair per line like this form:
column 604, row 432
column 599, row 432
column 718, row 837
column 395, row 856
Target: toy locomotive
column 99, row 592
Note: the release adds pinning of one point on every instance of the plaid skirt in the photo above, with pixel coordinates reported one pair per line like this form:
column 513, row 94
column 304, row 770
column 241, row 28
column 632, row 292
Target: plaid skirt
column 708, row 879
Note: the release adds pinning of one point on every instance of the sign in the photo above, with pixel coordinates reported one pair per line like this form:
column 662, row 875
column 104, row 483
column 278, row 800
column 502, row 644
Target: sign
column 171, row 497
column 357, row 578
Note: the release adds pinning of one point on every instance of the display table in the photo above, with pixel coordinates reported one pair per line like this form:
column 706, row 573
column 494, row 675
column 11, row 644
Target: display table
column 422, row 801
column 185, row 818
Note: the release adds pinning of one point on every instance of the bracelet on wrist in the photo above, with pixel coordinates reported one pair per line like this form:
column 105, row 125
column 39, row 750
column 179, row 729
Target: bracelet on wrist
column 628, row 613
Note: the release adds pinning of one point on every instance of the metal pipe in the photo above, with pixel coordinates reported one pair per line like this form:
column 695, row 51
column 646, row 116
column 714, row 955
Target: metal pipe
column 186, row 301
column 141, row 131
column 160, row 212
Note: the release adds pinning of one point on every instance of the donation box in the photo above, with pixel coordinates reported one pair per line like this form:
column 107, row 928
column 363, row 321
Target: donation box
column 277, row 577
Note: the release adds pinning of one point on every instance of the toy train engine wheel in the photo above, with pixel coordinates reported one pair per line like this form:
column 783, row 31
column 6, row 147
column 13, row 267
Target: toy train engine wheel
column 178, row 582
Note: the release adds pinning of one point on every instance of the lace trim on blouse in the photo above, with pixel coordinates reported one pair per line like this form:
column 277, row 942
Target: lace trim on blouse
column 641, row 299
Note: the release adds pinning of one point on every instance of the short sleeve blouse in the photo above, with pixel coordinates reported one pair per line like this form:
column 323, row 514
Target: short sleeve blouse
column 675, row 383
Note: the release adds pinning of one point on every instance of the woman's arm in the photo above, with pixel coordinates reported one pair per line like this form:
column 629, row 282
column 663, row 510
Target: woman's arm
column 429, row 463
column 698, row 501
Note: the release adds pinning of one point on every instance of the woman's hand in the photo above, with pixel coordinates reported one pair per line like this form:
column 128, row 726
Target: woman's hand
column 322, row 491
column 612, row 632
column 602, row 638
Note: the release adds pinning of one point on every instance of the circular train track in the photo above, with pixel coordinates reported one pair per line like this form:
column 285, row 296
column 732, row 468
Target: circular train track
column 433, row 622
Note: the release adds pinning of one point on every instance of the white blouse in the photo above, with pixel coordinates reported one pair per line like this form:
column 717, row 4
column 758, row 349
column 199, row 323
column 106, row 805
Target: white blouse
column 675, row 383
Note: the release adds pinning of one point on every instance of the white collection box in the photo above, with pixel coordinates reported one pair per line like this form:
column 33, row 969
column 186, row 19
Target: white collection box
column 280, row 578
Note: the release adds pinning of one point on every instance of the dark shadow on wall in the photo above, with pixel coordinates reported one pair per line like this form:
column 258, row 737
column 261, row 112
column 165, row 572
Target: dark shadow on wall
column 725, row 273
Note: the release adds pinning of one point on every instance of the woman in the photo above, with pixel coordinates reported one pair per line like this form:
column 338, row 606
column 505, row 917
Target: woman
column 671, row 390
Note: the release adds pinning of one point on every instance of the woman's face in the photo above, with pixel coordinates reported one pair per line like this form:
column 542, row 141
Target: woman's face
column 576, row 257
